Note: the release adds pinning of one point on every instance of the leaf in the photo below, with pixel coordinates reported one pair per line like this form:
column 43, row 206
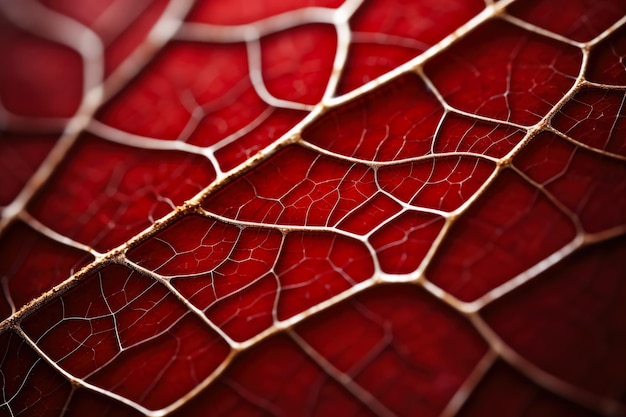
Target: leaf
column 390, row 208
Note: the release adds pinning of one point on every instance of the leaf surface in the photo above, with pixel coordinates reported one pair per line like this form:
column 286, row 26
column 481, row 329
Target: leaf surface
column 313, row 207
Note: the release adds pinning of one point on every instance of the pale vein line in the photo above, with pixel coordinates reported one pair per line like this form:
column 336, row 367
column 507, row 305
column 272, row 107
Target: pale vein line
column 205, row 32
column 77, row 381
column 59, row 28
column 607, row 32
column 51, row 234
column 375, row 164
column 253, row 48
column 544, row 379
column 529, row 27
column 469, row 385
column 582, row 145
column 488, row 13
column 345, row 380
column 491, row 11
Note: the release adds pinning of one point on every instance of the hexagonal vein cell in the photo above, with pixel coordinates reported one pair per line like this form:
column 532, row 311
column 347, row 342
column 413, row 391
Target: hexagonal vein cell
column 606, row 61
column 590, row 185
column 105, row 193
column 44, row 78
column 505, row 73
column 307, row 189
column 178, row 83
column 30, row 385
column 505, row 392
column 463, row 134
column 246, row 279
column 580, row 21
column 314, row 267
column 509, row 229
column 179, row 97
column 389, row 33
column 570, row 320
column 32, row 264
column 406, row 349
column 297, row 63
column 93, row 333
column 438, row 183
column 276, row 378
column 596, row 118
column 396, row 121
column 402, row 243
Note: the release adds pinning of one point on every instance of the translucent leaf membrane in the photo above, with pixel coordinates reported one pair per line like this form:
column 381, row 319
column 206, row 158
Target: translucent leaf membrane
column 312, row 208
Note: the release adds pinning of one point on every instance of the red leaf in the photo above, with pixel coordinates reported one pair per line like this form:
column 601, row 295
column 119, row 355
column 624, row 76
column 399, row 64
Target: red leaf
column 390, row 208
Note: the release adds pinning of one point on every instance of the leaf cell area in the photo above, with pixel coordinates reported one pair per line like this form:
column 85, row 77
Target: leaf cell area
column 313, row 207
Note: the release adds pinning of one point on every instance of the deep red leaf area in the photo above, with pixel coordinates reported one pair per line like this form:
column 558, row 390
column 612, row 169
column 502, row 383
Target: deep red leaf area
column 105, row 201
column 182, row 98
column 134, row 318
column 44, row 78
column 20, row 155
column 583, row 353
column 599, row 16
column 480, row 74
column 504, row 392
column 120, row 26
column 596, row 118
column 296, row 63
column 606, row 63
column 388, row 208
column 32, row 264
column 389, row 33
column 241, row 12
